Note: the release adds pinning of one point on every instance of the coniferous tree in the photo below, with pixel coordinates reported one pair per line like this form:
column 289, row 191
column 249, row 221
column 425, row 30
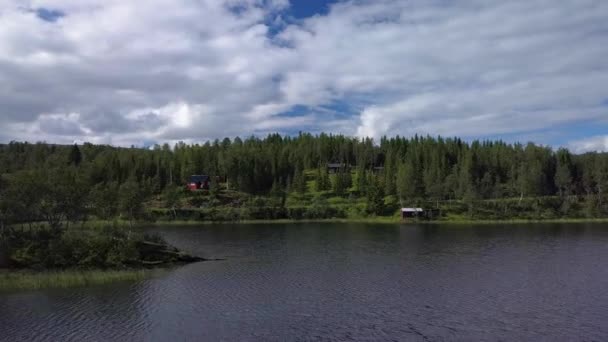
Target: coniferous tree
column 131, row 198
column 600, row 172
column 75, row 155
column 103, row 197
column 389, row 173
column 4, row 209
column 409, row 185
column 172, row 197
column 435, row 168
column 375, row 199
column 361, row 180
column 563, row 172
column 322, row 180
column 298, row 184
column 339, row 185
column 347, row 180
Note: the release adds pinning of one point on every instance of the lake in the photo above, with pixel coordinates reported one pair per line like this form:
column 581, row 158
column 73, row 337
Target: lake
column 322, row 282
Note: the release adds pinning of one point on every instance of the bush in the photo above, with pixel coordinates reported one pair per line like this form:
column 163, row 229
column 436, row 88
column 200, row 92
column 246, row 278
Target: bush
column 107, row 248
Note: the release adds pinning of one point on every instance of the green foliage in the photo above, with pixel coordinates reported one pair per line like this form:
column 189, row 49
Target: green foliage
column 66, row 279
column 130, row 200
column 323, row 183
column 103, row 197
column 63, row 184
column 55, row 196
column 75, row 156
column 41, row 248
column 298, row 183
column 361, row 180
column 342, row 181
column 390, row 169
column 375, row 200
column 318, row 209
column 277, row 190
column 563, row 173
column 406, row 188
column 172, row 197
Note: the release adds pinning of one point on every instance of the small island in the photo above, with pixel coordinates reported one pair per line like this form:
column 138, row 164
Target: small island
column 41, row 256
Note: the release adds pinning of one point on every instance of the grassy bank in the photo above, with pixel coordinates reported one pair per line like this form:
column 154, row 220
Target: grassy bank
column 378, row 219
column 44, row 257
column 381, row 220
column 521, row 221
column 25, row 280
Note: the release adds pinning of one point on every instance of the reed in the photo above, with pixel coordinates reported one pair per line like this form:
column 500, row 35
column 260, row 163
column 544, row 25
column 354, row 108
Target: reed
column 24, row 280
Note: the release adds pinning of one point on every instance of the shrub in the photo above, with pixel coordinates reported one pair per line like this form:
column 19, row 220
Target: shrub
column 109, row 247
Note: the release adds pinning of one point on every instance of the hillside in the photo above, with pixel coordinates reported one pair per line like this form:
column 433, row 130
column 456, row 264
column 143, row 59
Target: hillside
column 302, row 177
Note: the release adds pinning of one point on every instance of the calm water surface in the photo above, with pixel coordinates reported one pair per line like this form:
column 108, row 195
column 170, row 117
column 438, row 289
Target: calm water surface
column 344, row 282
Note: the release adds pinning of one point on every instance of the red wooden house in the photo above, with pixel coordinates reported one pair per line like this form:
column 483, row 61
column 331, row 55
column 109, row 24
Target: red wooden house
column 199, row 182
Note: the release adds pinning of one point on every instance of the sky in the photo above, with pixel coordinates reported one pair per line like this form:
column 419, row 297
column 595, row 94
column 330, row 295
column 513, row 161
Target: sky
column 127, row 73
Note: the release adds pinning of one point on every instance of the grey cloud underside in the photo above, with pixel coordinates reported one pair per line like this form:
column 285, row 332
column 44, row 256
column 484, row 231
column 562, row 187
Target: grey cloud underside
column 201, row 70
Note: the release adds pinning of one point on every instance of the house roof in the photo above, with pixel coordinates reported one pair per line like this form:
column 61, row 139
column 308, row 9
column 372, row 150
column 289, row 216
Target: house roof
column 412, row 210
column 199, row 178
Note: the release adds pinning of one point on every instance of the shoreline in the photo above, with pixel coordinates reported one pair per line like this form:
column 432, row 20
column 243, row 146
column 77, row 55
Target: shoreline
column 28, row 280
column 21, row 280
column 93, row 224
column 377, row 221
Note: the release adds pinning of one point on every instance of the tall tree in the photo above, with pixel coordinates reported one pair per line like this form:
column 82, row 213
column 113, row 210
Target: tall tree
column 375, row 199
column 323, row 182
column 298, row 184
column 408, row 182
column 131, row 200
column 563, row 172
column 104, row 197
column 600, row 173
column 75, row 155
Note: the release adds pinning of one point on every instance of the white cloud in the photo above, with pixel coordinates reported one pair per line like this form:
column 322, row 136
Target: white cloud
column 127, row 72
column 597, row 144
column 475, row 68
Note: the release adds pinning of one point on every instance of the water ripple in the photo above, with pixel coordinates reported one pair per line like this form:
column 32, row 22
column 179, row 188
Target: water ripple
column 317, row 282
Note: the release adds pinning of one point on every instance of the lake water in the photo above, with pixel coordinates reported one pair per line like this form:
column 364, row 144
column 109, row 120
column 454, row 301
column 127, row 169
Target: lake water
column 322, row 282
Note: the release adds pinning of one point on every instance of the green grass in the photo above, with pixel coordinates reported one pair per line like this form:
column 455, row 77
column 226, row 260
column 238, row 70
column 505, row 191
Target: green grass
column 23, row 280
column 90, row 224
column 384, row 219
column 518, row 221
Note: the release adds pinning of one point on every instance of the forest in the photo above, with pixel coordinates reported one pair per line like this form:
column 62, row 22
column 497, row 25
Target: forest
column 286, row 177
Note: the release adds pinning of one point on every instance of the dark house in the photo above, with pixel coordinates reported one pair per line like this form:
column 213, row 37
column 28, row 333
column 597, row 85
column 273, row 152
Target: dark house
column 378, row 169
column 199, row 182
column 336, row 167
column 411, row 212
column 419, row 213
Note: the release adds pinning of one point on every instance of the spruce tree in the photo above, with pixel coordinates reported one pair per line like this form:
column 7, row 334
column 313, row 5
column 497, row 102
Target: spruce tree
column 563, row 172
column 298, row 183
column 75, row 156
column 361, row 178
column 322, row 180
column 375, row 199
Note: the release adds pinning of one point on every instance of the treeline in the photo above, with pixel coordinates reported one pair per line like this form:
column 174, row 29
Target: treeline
column 410, row 169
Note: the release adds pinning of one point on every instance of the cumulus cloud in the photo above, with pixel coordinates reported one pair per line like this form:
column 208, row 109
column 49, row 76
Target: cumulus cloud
column 127, row 72
column 468, row 69
column 596, row 144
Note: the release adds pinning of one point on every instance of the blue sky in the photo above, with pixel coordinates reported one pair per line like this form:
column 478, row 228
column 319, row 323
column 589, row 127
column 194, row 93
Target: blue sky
column 303, row 8
column 522, row 70
column 50, row 15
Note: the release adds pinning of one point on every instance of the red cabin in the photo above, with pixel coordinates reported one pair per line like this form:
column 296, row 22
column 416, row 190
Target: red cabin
column 198, row 182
